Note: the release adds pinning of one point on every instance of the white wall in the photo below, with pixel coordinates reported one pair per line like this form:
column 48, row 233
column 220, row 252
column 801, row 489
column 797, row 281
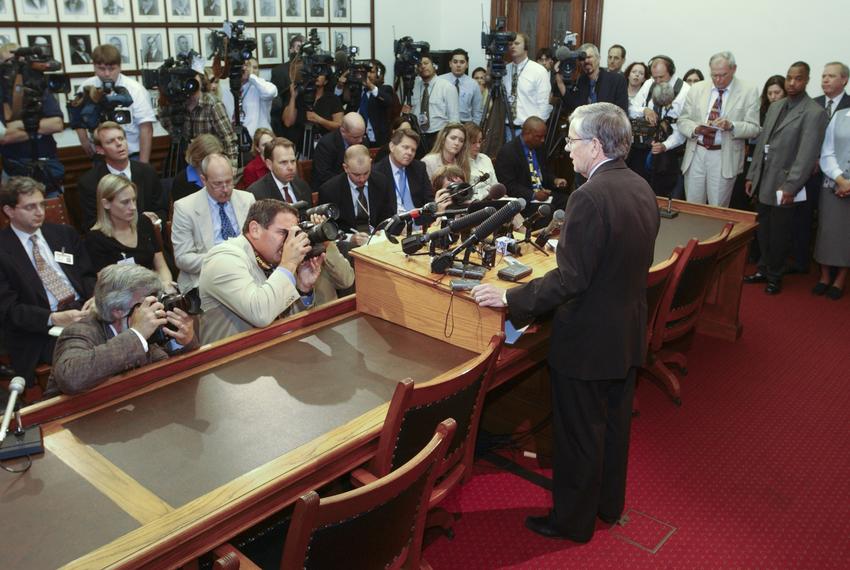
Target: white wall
column 765, row 36
column 445, row 24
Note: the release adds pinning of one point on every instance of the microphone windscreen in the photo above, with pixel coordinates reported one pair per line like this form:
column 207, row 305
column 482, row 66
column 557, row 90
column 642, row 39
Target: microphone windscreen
column 500, row 218
column 497, row 191
column 17, row 384
column 562, row 53
column 559, row 216
column 544, row 210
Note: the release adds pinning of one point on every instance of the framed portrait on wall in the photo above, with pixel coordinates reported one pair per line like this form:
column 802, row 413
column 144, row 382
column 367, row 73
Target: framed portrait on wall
column 6, row 12
column 269, row 46
column 182, row 41
column 361, row 11
column 43, row 37
column 149, row 11
column 152, row 47
column 340, row 11
column 76, row 10
column 293, row 11
column 240, row 10
column 113, row 11
column 339, row 37
column 211, row 11
column 9, row 36
column 77, row 46
column 288, row 35
column 34, row 10
column 207, row 35
column 181, row 11
column 317, row 10
column 123, row 40
column 268, row 11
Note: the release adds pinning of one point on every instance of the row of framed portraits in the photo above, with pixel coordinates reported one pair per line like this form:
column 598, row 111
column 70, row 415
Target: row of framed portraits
column 149, row 47
column 186, row 11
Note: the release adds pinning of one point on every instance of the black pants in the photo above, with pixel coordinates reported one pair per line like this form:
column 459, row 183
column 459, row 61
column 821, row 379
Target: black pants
column 591, row 423
column 774, row 233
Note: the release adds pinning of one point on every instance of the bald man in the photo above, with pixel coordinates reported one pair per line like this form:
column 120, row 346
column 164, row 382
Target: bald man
column 365, row 198
column 330, row 151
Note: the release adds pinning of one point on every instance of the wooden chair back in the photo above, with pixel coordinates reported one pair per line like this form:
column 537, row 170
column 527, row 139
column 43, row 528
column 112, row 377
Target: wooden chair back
column 682, row 301
column 305, row 171
column 656, row 284
column 379, row 525
column 416, row 409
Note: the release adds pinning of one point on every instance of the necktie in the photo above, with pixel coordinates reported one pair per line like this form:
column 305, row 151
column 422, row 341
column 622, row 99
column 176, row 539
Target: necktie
column 49, row 277
column 829, row 109
column 227, row 230
column 591, row 98
column 514, row 80
column 713, row 115
column 535, row 176
column 424, row 113
column 457, row 84
column 405, row 203
column 361, row 214
column 287, row 197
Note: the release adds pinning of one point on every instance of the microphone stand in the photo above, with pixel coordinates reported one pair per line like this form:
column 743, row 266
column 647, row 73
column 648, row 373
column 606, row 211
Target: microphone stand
column 531, row 242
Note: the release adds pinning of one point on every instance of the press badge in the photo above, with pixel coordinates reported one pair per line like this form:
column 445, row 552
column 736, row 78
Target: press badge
column 62, row 257
column 126, row 261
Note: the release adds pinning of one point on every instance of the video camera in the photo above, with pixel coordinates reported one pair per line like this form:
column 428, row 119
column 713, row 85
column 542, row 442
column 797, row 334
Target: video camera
column 25, row 97
column 175, row 79
column 345, row 59
column 93, row 105
column 314, row 62
column 408, row 54
column 496, row 45
column 235, row 48
column 568, row 58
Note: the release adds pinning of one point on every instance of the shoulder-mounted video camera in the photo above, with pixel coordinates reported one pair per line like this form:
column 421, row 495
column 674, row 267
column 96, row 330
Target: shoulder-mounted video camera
column 496, row 45
column 175, row 79
column 25, row 78
column 345, row 59
column 314, row 63
column 94, row 105
column 568, row 57
column 408, row 54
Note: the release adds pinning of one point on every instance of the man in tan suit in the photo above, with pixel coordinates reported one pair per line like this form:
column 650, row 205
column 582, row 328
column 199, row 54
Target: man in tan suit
column 718, row 117
column 213, row 214
column 116, row 335
column 253, row 279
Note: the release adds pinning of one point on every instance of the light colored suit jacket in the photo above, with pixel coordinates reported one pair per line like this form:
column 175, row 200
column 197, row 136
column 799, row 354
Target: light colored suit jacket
column 741, row 106
column 795, row 145
column 237, row 296
column 192, row 232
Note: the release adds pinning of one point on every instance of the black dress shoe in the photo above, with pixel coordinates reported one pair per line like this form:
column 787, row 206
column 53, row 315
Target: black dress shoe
column 773, row 288
column 757, row 277
column 608, row 520
column 544, row 527
column 834, row 293
column 820, row 288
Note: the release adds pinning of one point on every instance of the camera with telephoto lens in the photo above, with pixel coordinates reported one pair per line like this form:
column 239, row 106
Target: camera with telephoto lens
column 318, row 234
column 232, row 45
column 175, row 79
column 24, row 78
column 93, row 105
column 314, row 62
column 568, row 57
column 189, row 302
column 496, row 45
column 329, row 210
column 408, row 54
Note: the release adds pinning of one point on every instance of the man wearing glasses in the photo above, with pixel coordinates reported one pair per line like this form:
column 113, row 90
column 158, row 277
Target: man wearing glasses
column 46, row 278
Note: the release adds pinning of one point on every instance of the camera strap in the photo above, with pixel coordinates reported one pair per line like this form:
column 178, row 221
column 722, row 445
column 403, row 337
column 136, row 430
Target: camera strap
column 15, row 110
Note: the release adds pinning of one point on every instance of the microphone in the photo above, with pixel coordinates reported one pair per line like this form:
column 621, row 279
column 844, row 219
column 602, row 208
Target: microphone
column 460, row 191
column 412, row 244
column 396, row 223
column 442, row 262
column 557, row 220
column 496, row 192
column 16, row 386
column 542, row 211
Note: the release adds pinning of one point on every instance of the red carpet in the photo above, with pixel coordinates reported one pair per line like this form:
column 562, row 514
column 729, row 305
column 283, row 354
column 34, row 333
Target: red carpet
column 753, row 471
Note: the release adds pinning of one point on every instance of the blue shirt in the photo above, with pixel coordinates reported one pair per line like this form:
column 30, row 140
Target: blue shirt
column 471, row 104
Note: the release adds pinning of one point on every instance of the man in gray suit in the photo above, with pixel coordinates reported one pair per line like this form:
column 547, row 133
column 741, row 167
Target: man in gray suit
column 718, row 118
column 115, row 336
column 786, row 152
column 213, row 214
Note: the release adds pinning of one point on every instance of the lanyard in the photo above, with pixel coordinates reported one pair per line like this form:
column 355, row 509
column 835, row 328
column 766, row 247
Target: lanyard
column 535, row 173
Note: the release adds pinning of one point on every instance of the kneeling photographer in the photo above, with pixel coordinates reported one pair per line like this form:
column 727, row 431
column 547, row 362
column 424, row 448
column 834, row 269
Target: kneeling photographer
column 276, row 268
column 131, row 324
column 134, row 112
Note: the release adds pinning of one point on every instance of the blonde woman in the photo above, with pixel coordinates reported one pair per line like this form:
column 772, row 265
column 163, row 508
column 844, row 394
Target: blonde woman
column 451, row 147
column 120, row 235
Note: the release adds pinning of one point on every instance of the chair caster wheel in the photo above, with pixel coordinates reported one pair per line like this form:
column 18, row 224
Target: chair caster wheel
column 678, row 401
column 684, row 371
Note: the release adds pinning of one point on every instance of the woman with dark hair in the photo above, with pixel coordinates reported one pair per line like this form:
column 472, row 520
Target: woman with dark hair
column 774, row 90
column 257, row 168
column 693, row 76
column 636, row 74
column 327, row 110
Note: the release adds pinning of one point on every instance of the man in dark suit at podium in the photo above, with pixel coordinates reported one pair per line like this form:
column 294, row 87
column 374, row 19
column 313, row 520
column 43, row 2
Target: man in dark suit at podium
column 408, row 176
column 111, row 143
column 365, row 198
column 598, row 295
column 281, row 183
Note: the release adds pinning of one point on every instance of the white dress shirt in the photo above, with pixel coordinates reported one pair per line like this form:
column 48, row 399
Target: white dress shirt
column 257, row 97
column 533, row 90
column 636, row 110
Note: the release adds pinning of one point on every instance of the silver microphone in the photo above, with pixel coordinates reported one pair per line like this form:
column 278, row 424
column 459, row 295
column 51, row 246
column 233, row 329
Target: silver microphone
column 16, row 386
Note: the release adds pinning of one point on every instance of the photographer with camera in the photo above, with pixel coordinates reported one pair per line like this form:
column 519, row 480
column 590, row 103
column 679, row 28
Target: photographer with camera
column 35, row 119
column 139, row 128
column 257, row 97
column 594, row 84
column 119, row 332
column 267, row 272
column 373, row 103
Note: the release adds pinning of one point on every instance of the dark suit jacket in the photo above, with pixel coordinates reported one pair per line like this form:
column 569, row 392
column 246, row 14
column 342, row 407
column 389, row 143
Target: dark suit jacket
column 512, row 170
column 24, row 308
column 377, row 109
column 328, row 157
column 266, row 187
column 421, row 190
column 610, row 88
column 280, row 78
column 598, row 290
column 181, row 187
column 149, row 197
column 844, row 104
column 382, row 201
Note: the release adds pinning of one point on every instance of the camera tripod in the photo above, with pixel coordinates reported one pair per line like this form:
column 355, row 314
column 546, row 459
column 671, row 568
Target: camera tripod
column 497, row 116
column 175, row 160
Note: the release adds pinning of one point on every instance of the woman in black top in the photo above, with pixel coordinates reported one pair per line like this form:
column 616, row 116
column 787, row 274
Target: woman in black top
column 120, row 235
column 327, row 111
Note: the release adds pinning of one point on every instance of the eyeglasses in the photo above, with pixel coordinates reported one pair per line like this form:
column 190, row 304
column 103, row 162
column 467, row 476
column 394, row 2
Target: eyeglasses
column 571, row 141
column 33, row 207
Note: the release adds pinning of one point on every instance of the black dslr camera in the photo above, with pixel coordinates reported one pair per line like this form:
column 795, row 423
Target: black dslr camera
column 189, row 302
column 318, row 234
column 93, row 106
column 496, row 45
column 568, row 58
column 314, row 62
